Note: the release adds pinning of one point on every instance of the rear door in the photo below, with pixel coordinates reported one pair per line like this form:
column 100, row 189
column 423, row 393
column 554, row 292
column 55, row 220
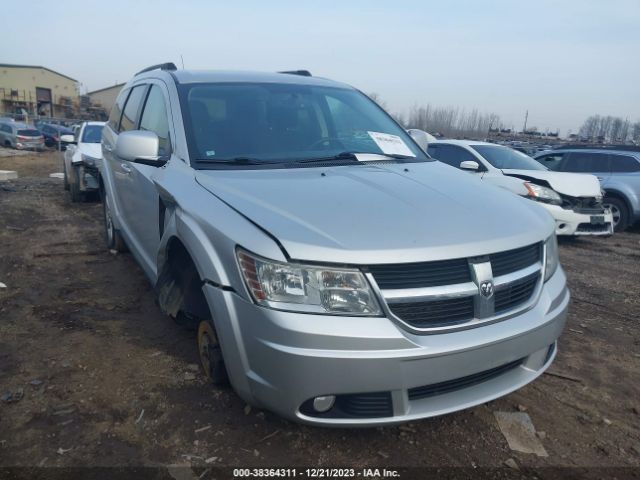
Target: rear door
column 143, row 203
column 596, row 163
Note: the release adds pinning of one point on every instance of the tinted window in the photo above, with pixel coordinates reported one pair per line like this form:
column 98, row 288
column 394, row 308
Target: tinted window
column 285, row 122
column 128, row 121
column 154, row 118
column 92, row 134
column 551, row 161
column 450, row 154
column 6, row 128
column 116, row 110
column 624, row 163
column 29, row 133
column 507, row 158
column 582, row 162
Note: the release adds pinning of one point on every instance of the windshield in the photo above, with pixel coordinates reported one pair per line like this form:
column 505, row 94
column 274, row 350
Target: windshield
column 92, row 134
column 507, row 158
column 282, row 123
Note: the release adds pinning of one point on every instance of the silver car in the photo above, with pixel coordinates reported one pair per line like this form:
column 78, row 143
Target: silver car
column 20, row 136
column 336, row 274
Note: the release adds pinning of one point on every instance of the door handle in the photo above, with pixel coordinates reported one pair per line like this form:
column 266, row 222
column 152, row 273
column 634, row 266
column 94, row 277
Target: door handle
column 125, row 168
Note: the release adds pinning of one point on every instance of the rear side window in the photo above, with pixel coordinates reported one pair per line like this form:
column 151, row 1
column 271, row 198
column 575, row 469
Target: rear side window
column 584, row 162
column 624, row 163
column 116, row 110
column 154, row 118
column 551, row 161
column 29, row 133
column 131, row 109
column 5, row 128
column 450, row 154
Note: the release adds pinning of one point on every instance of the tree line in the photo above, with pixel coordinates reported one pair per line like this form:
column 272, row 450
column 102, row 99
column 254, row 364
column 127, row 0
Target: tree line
column 610, row 129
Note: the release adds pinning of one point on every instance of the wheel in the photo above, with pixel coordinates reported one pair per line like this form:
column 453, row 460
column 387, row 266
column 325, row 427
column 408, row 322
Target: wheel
column 77, row 195
column 112, row 236
column 211, row 354
column 66, row 179
column 620, row 212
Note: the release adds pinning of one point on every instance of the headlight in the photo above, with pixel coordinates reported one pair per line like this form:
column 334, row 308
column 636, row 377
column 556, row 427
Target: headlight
column 542, row 194
column 307, row 288
column 551, row 257
column 87, row 160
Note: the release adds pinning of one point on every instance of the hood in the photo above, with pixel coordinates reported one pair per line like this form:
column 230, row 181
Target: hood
column 91, row 149
column 572, row 184
column 369, row 213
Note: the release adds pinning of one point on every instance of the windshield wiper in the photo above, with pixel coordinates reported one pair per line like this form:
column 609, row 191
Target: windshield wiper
column 232, row 161
column 352, row 156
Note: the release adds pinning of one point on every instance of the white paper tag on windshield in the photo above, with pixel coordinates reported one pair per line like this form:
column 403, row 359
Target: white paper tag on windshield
column 391, row 144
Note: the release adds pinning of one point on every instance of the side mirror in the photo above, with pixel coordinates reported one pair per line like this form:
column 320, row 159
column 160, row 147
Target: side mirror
column 421, row 137
column 470, row 165
column 67, row 138
column 140, row 146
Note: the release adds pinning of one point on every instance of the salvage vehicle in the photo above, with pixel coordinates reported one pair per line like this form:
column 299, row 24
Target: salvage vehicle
column 20, row 136
column 574, row 200
column 53, row 135
column 81, row 160
column 336, row 274
column 616, row 166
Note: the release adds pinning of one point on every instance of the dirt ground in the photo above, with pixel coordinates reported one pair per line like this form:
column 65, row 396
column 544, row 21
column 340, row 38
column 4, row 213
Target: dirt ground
column 107, row 380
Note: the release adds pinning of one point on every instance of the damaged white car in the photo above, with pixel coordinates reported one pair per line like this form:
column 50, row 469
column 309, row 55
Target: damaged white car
column 573, row 199
column 81, row 160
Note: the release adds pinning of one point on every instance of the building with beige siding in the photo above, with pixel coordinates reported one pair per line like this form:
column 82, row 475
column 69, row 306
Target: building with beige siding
column 37, row 90
column 105, row 97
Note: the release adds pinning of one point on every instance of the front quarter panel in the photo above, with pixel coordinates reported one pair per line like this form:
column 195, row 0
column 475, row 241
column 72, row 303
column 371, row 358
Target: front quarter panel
column 209, row 228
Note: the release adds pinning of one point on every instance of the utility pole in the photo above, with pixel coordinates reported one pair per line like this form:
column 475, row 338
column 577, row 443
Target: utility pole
column 526, row 116
column 182, row 61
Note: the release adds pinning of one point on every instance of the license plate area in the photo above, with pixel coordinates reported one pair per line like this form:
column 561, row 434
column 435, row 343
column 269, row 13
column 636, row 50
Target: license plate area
column 597, row 219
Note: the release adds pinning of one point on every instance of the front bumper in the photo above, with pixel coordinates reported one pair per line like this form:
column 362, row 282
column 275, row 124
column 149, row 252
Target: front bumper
column 280, row 360
column 569, row 222
column 88, row 176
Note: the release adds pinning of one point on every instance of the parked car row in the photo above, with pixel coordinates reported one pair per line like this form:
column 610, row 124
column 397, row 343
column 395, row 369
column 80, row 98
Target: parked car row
column 25, row 137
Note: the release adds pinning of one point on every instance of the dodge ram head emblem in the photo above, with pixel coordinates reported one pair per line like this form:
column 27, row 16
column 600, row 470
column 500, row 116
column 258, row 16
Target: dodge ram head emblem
column 486, row 289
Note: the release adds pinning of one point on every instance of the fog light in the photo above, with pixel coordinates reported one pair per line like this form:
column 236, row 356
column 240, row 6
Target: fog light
column 323, row 404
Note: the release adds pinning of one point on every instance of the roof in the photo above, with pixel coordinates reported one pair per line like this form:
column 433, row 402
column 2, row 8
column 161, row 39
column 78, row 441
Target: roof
column 117, row 85
column 221, row 76
column 11, row 65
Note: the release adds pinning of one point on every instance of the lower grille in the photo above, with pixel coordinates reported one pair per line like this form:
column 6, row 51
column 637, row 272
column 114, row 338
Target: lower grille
column 365, row 404
column 418, row 393
column 516, row 293
column 438, row 313
column 593, row 227
column 354, row 405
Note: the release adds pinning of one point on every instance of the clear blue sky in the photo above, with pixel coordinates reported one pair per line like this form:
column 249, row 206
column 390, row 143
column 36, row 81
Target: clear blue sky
column 561, row 60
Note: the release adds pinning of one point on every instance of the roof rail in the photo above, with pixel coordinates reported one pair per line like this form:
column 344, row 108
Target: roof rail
column 302, row 73
column 161, row 66
column 599, row 146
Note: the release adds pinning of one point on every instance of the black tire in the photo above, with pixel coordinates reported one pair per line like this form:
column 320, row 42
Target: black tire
column 77, row 195
column 112, row 236
column 211, row 354
column 66, row 179
column 620, row 212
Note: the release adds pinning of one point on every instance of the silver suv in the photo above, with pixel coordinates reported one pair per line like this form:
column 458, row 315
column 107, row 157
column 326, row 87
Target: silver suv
column 337, row 275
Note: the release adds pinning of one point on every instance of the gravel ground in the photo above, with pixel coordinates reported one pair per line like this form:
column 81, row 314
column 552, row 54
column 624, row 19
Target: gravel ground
column 107, row 380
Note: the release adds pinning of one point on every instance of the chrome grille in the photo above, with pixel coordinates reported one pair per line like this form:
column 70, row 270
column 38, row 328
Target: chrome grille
column 447, row 294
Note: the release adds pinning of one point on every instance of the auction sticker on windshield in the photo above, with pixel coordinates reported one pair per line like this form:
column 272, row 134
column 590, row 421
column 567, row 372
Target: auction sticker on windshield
column 391, row 144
